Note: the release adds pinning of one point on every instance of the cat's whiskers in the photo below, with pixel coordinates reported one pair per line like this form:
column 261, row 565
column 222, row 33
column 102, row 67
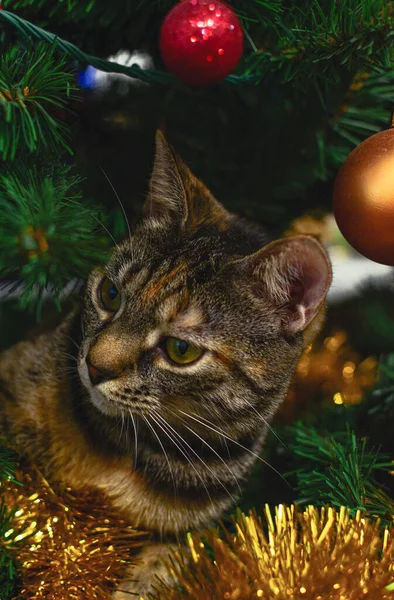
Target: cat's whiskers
column 191, row 463
column 135, row 437
column 122, row 424
column 115, row 427
column 127, row 428
column 119, row 200
column 196, row 454
column 223, row 440
column 99, row 222
column 105, row 229
column 68, row 355
column 73, row 341
column 146, row 419
column 212, row 427
column 271, row 429
column 67, row 368
column 214, row 451
column 68, row 371
column 71, row 375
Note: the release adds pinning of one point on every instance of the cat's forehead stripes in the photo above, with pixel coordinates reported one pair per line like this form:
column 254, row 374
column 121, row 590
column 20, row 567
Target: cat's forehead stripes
column 193, row 318
column 174, row 305
column 122, row 268
column 153, row 289
column 180, row 312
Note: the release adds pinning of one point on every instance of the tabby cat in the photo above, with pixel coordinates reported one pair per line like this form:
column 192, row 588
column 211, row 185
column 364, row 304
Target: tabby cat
column 160, row 390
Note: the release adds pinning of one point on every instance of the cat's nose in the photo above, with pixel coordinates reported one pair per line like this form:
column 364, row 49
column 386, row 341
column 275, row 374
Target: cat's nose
column 98, row 375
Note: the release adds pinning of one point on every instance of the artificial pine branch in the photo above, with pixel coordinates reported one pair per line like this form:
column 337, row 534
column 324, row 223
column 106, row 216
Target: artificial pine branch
column 365, row 110
column 319, row 40
column 8, row 463
column 333, row 461
column 374, row 417
column 31, row 84
column 29, row 30
column 314, row 43
column 8, row 568
column 340, row 471
column 250, row 11
column 47, row 236
column 382, row 397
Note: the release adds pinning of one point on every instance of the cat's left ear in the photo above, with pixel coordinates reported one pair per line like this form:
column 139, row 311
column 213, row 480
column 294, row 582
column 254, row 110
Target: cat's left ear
column 176, row 196
column 295, row 274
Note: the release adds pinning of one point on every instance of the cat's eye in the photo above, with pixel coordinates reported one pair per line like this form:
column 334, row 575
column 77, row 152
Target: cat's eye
column 110, row 296
column 181, row 352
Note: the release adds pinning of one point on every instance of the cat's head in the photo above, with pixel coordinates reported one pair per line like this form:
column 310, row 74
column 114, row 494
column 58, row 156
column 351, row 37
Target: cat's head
column 196, row 314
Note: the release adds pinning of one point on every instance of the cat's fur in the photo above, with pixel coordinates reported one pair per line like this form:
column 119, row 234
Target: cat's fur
column 191, row 271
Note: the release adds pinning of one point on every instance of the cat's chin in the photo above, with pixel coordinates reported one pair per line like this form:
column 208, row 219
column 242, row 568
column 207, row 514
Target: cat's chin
column 105, row 406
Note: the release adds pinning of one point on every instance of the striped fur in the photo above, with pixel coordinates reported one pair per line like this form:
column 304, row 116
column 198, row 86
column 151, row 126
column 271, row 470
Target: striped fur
column 171, row 445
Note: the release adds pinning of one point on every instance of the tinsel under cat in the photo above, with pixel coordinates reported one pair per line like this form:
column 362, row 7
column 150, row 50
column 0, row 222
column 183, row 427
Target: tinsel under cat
column 160, row 390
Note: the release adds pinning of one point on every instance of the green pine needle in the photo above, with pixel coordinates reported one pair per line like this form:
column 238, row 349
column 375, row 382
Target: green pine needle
column 32, row 85
column 8, row 463
column 8, row 568
column 381, row 400
column 306, row 45
column 9, row 577
column 340, row 471
column 47, row 236
column 322, row 40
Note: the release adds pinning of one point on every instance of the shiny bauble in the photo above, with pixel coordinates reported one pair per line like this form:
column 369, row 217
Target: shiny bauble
column 364, row 198
column 201, row 41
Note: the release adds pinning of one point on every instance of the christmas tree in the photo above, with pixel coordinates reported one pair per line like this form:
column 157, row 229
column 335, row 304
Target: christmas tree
column 84, row 85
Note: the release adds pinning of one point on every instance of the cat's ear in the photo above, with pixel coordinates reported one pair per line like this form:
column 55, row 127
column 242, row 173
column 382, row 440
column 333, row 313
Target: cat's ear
column 176, row 196
column 295, row 273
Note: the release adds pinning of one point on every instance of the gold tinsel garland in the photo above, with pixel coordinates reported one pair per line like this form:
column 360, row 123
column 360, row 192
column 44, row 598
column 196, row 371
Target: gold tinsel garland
column 76, row 546
column 330, row 370
column 318, row 554
column 72, row 545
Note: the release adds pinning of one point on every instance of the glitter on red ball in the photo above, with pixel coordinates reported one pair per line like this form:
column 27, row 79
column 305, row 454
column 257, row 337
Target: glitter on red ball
column 201, row 41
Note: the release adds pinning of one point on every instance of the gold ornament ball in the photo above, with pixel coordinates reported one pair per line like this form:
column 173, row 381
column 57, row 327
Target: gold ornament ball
column 364, row 198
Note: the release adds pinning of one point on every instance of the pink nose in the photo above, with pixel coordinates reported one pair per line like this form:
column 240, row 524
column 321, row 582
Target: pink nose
column 98, row 375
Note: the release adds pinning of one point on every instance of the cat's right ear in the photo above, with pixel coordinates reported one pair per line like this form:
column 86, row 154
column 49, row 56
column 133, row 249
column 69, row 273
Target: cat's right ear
column 295, row 274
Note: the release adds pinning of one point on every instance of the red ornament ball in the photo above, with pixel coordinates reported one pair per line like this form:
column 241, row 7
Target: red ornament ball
column 201, row 41
column 364, row 198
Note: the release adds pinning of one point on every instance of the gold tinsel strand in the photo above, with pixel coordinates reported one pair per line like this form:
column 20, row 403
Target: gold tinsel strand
column 318, row 554
column 332, row 370
column 71, row 545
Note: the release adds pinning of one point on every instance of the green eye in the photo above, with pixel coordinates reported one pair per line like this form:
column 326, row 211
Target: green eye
column 110, row 296
column 182, row 352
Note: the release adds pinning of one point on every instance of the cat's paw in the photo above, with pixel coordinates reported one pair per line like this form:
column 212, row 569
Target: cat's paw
column 144, row 575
